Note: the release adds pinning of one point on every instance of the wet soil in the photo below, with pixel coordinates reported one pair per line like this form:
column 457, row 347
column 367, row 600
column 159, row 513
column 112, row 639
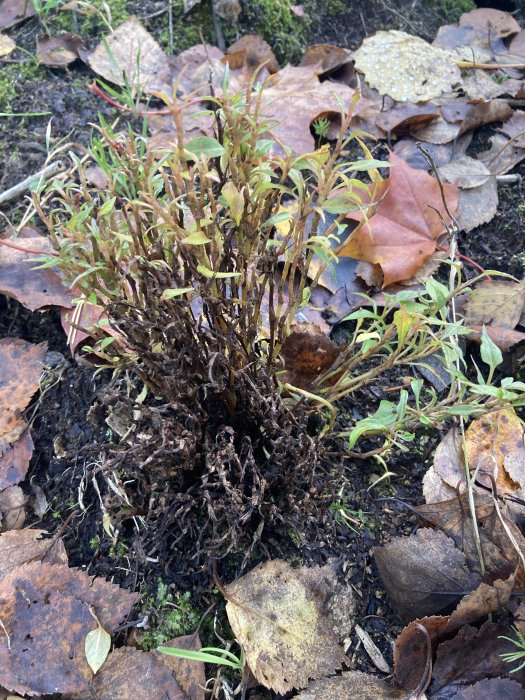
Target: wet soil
column 69, row 425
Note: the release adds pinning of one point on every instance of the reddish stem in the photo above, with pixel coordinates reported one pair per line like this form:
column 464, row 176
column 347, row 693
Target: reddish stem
column 31, row 251
column 468, row 260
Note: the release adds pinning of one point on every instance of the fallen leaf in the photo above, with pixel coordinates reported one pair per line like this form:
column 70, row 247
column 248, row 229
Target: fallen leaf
column 42, row 603
column 134, row 59
column 482, row 648
column 489, row 689
column 502, row 156
column 468, row 43
column 479, row 85
column 480, row 603
column 495, row 302
column 19, row 547
column 19, row 279
column 351, row 685
column 505, row 339
column 129, row 674
column 422, row 71
column 12, row 509
column 460, row 117
column 97, row 647
column 410, row 650
column 294, row 98
column 465, row 172
column 251, row 51
column 514, row 128
column 453, row 517
column 371, row 649
column 441, row 154
column 492, row 22
column 15, row 458
column 59, row 51
column 404, row 118
column 276, row 614
column 424, row 573
column 7, row 45
column 14, row 11
column 307, row 353
column 401, row 235
column 190, row 675
column 478, row 205
column 331, row 61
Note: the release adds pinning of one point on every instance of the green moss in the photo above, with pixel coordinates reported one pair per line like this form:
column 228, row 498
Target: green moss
column 169, row 616
column 450, row 10
column 12, row 78
column 89, row 24
column 188, row 28
column 275, row 22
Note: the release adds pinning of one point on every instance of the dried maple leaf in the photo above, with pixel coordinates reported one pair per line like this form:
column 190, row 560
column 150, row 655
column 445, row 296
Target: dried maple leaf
column 422, row 71
column 401, row 235
column 278, row 615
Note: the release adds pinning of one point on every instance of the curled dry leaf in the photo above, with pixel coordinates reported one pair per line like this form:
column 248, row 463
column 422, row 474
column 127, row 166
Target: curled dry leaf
column 41, row 603
column 497, row 303
column 277, row 615
column 401, row 235
column 307, row 353
column 441, row 154
column 251, row 51
column 14, row 460
column 410, row 650
column 134, row 59
column 59, row 51
column 422, row 72
column 404, row 118
column 424, row 573
column 514, row 128
column 331, row 61
column 34, row 289
column 23, row 546
column 352, row 684
column 502, row 155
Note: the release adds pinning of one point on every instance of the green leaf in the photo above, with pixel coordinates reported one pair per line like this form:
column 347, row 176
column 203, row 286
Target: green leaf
column 277, row 218
column 173, row 293
column 210, row 274
column 489, row 351
column 107, row 207
column 205, row 145
column 97, row 647
column 197, row 238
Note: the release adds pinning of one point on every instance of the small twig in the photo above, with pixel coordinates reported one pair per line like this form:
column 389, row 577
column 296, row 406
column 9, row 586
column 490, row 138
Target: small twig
column 31, row 251
column 123, row 108
column 509, row 178
column 21, row 187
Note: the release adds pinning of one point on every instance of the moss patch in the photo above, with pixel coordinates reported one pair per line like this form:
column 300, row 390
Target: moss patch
column 12, row 79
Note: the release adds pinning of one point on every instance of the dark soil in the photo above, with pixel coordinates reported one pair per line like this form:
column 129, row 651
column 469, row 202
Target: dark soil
column 73, row 442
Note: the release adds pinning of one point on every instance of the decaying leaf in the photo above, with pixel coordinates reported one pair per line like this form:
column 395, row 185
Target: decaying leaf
column 504, row 338
column 514, row 128
column 58, row 51
column 410, row 650
column 131, row 56
column 502, row 155
column 422, row 71
column 129, row 673
column 307, row 353
column 423, row 574
column 491, row 21
column 331, row 61
column 495, row 302
column 489, row 689
column 42, row 603
column 402, row 233
column 190, row 675
column 352, row 684
column 441, row 154
column 465, row 172
column 482, row 649
column 14, row 11
column 277, row 615
column 20, row 369
column 19, row 279
column 19, row 547
column 404, row 118
column 251, row 51
column 12, row 509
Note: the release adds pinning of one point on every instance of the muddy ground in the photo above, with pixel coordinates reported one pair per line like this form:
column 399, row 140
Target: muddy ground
column 69, row 419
